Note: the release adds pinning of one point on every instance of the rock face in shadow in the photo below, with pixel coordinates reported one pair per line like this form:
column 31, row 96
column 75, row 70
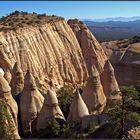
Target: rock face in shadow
column 5, row 92
column 49, row 110
column 78, row 109
column 109, row 81
column 17, row 82
column 127, row 74
column 5, row 62
column 9, row 128
column 97, row 119
column 31, row 102
column 122, row 50
column 93, row 94
column 125, row 58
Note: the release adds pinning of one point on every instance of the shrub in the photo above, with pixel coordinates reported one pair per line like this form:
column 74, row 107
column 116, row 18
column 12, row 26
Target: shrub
column 138, row 87
column 37, row 21
column 135, row 39
column 76, row 20
column 127, row 110
column 107, row 130
column 81, row 22
column 132, row 104
column 5, row 131
column 129, row 92
column 53, row 127
column 16, row 12
column 66, row 131
column 51, row 131
column 115, row 114
column 2, row 18
column 35, row 13
column 43, row 15
column 90, row 128
column 65, row 96
column 133, row 116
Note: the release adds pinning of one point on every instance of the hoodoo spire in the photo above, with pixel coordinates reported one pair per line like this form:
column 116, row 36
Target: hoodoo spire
column 93, row 94
column 78, row 109
column 31, row 102
column 49, row 110
column 109, row 81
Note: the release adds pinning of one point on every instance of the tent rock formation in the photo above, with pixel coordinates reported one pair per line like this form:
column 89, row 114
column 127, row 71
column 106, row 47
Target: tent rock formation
column 31, row 102
column 49, row 110
column 109, row 81
column 17, row 82
column 78, row 109
column 93, row 94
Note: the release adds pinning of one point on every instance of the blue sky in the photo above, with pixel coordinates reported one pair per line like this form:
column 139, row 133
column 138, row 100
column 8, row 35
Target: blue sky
column 79, row 9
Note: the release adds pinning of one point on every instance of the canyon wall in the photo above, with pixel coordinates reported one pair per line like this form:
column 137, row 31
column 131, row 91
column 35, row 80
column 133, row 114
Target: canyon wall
column 34, row 59
column 50, row 51
column 125, row 58
column 57, row 52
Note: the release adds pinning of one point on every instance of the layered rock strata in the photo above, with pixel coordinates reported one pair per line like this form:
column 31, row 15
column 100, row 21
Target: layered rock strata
column 50, row 51
column 56, row 51
column 91, row 49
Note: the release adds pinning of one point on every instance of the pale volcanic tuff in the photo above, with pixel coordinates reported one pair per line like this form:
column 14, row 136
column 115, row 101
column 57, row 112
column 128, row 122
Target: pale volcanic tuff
column 53, row 53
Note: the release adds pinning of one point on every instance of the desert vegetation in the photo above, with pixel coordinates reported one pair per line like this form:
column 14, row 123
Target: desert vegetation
column 6, row 123
column 123, row 116
column 20, row 19
column 135, row 39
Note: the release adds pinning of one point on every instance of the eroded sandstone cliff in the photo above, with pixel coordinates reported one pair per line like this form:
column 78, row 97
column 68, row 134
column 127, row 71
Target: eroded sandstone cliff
column 37, row 57
column 50, row 51
column 125, row 57
column 91, row 49
column 94, row 54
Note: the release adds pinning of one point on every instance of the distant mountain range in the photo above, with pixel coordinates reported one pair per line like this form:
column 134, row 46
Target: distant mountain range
column 124, row 19
column 114, row 30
